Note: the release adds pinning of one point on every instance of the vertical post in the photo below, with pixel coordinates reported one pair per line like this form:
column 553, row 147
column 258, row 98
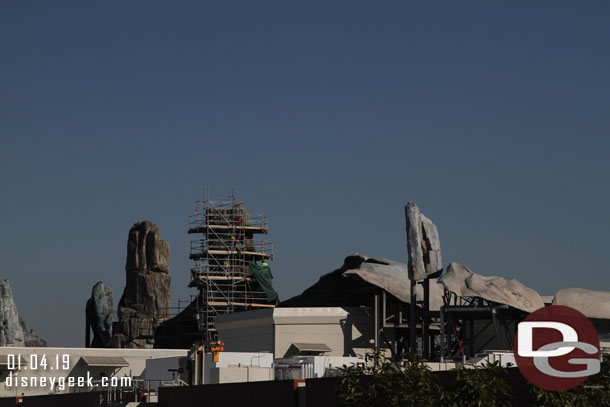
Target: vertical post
column 376, row 311
column 195, row 373
column 442, row 333
column 299, row 387
column 413, row 318
column 471, row 334
column 425, row 320
column 495, row 322
column 383, row 309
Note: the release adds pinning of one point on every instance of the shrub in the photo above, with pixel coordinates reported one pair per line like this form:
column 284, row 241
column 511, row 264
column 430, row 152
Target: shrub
column 482, row 386
column 381, row 382
column 594, row 392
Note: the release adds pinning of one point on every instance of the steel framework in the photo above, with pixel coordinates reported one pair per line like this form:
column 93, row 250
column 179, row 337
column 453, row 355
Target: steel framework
column 471, row 325
column 222, row 254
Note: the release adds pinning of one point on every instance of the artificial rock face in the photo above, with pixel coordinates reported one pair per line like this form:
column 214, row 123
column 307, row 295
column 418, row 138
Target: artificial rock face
column 593, row 304
column 462, row 281
column 11, row 332
column 100, row 316
column 423, row 243
column 146, row 298
column 31, row 338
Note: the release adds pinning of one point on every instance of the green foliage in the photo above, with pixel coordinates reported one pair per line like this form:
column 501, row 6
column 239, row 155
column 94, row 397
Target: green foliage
column 481, row 386
column 594, row 392
column 381, row 382
column 556, row 398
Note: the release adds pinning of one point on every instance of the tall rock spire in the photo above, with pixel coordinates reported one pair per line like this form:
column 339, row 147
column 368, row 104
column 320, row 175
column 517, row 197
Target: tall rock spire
column 146, row 298
column 100, row 317
column 13, row 331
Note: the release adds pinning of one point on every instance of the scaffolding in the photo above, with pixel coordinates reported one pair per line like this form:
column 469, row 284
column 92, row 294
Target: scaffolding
column 228, row 243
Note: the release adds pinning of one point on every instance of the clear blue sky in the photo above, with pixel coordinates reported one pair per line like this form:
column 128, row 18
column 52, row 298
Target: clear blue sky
column 326, row 116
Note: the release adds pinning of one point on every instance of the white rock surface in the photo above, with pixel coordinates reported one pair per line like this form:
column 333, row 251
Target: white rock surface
column 462, row 281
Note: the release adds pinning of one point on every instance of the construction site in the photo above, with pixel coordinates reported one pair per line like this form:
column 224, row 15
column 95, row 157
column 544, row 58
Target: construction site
column 304, row 204
column 231, row 272
column 235, row 332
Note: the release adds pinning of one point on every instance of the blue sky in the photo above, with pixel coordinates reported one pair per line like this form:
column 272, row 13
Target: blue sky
column 326, row 116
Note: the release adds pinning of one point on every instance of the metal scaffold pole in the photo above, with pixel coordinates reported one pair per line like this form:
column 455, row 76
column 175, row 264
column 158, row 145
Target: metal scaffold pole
column 228, row 243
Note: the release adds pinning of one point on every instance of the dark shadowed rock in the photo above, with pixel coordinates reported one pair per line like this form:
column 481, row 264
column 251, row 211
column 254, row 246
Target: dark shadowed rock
column 100, row 316
column 146, row 298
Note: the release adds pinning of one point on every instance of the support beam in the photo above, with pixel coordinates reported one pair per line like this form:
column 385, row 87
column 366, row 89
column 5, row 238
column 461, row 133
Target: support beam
column 426, row 320
column 471, row 334
column 376, row 311
column 443, row 333
column 495, row 322
column 413, row 319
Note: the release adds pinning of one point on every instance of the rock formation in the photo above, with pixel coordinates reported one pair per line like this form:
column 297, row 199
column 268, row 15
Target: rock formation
column 100, row 317
column 462, row 281
column 13, row 331
column 423, row 244
column 593, row 304
column 31, row 338
column 361, row 277
column 146, row 298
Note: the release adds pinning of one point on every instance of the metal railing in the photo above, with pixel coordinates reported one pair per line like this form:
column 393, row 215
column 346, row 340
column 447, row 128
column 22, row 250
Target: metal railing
column 228, row 247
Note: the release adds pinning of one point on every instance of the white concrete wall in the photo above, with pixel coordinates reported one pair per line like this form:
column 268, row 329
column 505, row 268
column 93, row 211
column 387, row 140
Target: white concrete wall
column 347, row 331
column 226, row 359
column 136, row 358
column 321, row 366
column 237, row 367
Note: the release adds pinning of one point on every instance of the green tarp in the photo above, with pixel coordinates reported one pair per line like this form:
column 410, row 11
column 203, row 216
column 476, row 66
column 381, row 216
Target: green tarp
column 264, row 278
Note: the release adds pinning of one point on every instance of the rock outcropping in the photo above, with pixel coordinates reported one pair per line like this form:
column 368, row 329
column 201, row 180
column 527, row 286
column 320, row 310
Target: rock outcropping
column 146, row 298
column 461, row 281
column 13, row 331
column 593, row 304
column 31, row 338
column 100, row 317
column 423, row 244
column 361, row 277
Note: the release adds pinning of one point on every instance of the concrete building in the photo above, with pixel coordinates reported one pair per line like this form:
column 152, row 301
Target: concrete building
column 38, row 371
column 305, row 331
column 310, row 367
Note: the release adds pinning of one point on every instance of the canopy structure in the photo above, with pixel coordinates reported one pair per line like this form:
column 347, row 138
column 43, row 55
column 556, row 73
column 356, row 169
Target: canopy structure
column 310, row 348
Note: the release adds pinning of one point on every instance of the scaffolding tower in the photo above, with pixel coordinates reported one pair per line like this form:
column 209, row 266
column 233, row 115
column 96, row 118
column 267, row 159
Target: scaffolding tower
column 222, row 254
